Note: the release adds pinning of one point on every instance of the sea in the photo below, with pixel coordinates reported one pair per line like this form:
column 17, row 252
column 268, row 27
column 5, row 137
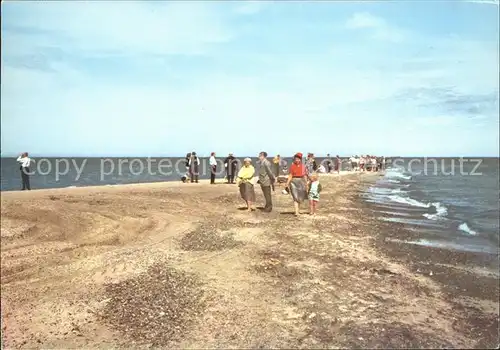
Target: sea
column 454, row 201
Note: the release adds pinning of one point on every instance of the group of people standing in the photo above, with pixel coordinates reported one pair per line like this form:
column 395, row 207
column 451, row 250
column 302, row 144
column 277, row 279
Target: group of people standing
column 266, row 178
column 328, row 165
column 301, row 179
column 193, row 168
column 367, row 163
column 302, row 182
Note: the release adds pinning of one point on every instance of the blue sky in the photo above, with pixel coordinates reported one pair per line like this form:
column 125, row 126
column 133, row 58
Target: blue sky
column 164, row 78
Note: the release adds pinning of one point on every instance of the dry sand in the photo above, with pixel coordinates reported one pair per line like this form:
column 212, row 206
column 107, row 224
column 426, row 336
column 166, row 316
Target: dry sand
column 181, row 265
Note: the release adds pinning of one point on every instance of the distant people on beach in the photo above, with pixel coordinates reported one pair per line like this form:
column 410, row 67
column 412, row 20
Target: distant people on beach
column 213, row 167
column 362, row 161
column 367, row 163
column 371, row 163
column 25, row 163
column 297, row 182
column 311, row 163
column 245, row 183
column 338, row 164
column 328, row 164
column 354, row 160
column 266, row 180
column 194, row 165
column 187, row 176
column 276, row 165
column 230, row 164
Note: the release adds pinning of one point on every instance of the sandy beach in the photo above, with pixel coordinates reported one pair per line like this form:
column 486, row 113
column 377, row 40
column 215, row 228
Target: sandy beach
column 182, row 265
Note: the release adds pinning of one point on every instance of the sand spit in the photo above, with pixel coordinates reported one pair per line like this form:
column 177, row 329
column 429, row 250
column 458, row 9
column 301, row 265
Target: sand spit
column 181, row 265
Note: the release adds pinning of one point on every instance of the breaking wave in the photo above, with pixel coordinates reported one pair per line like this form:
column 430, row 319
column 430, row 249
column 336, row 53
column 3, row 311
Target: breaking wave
column 441, row 212
column 409, row 201
column 465, row 228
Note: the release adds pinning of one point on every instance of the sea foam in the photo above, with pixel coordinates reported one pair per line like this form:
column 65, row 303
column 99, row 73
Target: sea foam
column 465, row 228
column 441, row 212
column 408, row 201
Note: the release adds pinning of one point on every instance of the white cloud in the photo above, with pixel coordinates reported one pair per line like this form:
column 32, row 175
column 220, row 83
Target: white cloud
column 378, row 26
column 486, row 2
column 365, row 20
column 354, row 86
column 166, row 28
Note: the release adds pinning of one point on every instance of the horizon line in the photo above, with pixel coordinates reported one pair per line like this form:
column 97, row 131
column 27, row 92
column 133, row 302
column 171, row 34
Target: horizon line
column 236, row 156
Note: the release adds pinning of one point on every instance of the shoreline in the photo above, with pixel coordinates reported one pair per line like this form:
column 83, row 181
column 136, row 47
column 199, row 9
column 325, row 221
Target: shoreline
column 327, row 281
column 152, row 184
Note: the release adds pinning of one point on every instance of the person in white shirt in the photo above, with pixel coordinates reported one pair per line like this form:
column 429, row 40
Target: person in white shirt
column 352, row 160
column 213, row 167
column 25, row 163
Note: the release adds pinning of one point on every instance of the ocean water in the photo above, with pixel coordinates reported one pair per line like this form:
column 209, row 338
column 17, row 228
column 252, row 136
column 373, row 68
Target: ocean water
column 78, row 172
column 453, row 202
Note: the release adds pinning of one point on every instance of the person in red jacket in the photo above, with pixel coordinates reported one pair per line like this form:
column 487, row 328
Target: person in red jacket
column 297, row 182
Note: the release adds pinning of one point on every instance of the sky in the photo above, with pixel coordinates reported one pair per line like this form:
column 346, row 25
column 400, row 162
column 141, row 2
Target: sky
column 406, row 78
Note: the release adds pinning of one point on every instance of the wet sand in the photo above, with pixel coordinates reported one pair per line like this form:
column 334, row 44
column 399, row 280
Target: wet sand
column 181, row 265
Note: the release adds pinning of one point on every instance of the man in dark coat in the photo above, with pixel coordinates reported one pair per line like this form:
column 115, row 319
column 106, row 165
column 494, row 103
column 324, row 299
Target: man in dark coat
column 328, row 164
column 230, row 164
column 194, row 164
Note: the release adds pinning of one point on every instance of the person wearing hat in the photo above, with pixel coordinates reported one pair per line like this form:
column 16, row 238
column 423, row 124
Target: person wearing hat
column 245, row 183
column 297, row 182
column 230, row 165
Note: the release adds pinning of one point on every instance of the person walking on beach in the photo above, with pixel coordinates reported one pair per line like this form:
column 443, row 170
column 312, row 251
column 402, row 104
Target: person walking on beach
column 266, row 180
column 311, row 163
column 194, row 165
column 25, row 163
column 276, row 165
column 327, row 163
column 213, row 167
column 297, row 182
column 230, row 165
column 313, row 191
column 188, row 158
column 362, row 161
column 352, row 160
column 338, row 163
column 245, row 183
column 373, row 162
